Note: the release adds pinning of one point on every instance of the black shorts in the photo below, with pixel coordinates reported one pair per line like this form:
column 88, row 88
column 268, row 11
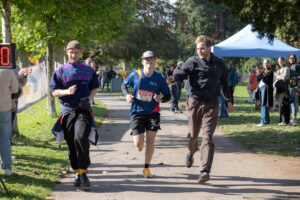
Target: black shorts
column 140, row 123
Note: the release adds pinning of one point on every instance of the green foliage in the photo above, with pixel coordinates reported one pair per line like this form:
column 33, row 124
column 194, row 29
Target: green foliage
column 194, row 18
column 273, row 18
column 151, row 29
column 36, row 21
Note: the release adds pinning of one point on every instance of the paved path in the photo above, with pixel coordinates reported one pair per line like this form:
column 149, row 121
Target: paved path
column 237, row 173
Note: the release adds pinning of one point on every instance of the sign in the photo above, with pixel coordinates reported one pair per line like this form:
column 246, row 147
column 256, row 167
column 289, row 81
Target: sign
column 8, row 56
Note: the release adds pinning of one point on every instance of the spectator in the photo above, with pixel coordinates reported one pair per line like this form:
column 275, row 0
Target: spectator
column 99, row 73
column 223, row 109
column 9, row 85
column 105, row 80
column 21, row 75
column 233, row 79
column 88, row 61
column 175, row 89
column 295, row 68
column 283, row 75
column 252, row 86
column 111, row 74
column 265, row 95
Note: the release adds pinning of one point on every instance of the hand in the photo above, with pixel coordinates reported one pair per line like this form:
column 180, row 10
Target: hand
column 71, row 90
column 170, row 79
column 230, row 107
column 14, row 109
column 278, row 72
column 258, row 71
column 28, row 71
column 157, row 98
column 129, row 98
column 24, row 72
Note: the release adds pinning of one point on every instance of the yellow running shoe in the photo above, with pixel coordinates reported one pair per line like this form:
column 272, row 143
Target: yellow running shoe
column 140, row 148
column 147, row 173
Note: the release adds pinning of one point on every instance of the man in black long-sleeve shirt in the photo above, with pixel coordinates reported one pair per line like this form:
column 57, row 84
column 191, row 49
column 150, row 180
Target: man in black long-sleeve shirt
column 205, row 74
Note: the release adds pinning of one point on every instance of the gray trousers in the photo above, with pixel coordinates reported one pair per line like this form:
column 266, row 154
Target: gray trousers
column 202, row 116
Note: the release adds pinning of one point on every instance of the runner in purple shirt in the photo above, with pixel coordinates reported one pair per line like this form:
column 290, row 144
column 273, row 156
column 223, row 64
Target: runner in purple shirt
column 75, row 84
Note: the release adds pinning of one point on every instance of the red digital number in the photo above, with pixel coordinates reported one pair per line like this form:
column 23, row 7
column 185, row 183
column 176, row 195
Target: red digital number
column 5, row 56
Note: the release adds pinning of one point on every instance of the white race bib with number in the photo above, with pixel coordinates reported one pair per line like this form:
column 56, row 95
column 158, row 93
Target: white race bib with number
column 144, row 95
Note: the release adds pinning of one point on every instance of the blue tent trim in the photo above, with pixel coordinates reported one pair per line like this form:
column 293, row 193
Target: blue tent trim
column 246, row 43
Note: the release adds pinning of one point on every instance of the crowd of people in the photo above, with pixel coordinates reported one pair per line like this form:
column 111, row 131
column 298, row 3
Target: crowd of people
column 281, row 86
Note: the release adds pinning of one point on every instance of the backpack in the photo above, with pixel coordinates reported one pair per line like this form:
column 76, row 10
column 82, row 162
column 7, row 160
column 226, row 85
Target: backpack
column 293, row 78
column 280, row 86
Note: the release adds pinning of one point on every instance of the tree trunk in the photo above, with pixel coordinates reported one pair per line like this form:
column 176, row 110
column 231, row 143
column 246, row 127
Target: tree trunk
column 6, row 15
column 59, row 55
column 125, row 65
column 23, row 59
column 50, row 69
column 220, row 26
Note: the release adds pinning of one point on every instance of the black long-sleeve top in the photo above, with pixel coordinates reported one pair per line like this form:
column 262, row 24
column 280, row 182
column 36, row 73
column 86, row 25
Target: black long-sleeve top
column 205, row 78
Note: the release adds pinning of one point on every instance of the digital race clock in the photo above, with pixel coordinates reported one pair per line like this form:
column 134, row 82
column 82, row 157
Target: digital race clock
column 8, row 56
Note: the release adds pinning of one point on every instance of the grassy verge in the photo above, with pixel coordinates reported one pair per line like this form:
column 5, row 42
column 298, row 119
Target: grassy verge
column 271, row 139
column 39, row 163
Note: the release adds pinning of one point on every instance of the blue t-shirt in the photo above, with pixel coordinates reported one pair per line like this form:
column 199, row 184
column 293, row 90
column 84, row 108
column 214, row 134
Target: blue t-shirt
column 143, row 91
column 79, row 74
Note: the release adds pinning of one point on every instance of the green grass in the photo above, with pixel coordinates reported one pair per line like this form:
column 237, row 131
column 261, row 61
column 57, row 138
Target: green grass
column 270, row 139
column 39, row 162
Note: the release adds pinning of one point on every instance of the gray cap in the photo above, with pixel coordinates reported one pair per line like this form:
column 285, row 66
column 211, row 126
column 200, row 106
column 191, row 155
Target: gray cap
column 147, row 54
column 180, row 63
column 74, row 44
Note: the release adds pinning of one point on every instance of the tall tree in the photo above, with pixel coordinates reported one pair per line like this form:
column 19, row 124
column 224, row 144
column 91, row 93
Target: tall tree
column 87, row 21
column 151, row 29
column 272, row 18
column 194, row 17
column 6, row 18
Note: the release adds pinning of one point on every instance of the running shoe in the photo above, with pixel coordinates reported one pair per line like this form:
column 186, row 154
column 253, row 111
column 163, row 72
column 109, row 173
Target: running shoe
column 84, row 180
column 189, row 160
column 147, row 173
column 139, row 148
column 203, row 177
column 77, row 182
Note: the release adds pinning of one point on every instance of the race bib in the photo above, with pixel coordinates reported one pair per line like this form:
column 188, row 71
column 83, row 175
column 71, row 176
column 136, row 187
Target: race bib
column 144, row 95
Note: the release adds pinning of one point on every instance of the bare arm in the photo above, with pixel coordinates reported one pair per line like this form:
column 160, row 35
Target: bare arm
column 93, row 94
column 60, row 93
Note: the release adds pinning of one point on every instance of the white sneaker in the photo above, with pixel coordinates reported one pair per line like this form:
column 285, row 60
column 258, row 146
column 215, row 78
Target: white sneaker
column 8, row 172
column 282, row 124
column 293, row 122
column 260, row 125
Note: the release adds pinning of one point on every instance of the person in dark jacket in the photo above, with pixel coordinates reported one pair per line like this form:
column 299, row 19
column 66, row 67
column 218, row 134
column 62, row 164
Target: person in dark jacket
column 105, row 79
column 265, row 97
column 175, row 89
column 294, row 84
column 233, row 80
column 204, row 73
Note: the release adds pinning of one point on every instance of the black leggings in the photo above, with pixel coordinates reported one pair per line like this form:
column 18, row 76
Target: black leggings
column 285, row 111
column 77, row 128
